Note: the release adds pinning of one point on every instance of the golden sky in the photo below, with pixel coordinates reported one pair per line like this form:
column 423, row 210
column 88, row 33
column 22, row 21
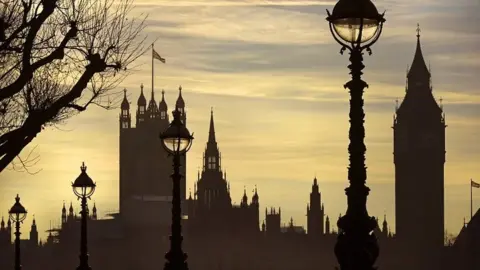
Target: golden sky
column 273, row 74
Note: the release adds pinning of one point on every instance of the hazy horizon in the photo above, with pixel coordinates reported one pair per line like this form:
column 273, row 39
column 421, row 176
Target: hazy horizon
column 265, row 68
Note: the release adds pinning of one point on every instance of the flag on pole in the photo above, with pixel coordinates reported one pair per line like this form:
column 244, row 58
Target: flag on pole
column 475, row 184
column 157, row 56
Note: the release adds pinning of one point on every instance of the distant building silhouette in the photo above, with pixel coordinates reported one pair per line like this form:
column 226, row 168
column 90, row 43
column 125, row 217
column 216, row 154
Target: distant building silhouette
column 5, row 232
column 419, row 157
column 145, row 167
column 465, row 250
column 29, row 247
column 211, row 211
column 315, row 212
column 273, row 221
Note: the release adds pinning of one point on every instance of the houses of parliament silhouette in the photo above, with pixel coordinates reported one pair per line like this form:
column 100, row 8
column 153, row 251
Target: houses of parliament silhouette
column 222, row 235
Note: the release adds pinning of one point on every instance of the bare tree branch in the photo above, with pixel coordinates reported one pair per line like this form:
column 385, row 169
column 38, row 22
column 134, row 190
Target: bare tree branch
column 27, row 163
column 58, row 57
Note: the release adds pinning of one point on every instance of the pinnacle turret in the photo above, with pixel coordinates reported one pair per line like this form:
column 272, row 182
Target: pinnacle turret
column 162, row 106
column 142, row 101
column 125, row 105
column 180, row 102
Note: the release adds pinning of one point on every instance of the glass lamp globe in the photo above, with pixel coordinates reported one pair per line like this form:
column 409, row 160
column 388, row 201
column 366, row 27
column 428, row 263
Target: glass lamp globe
column 355, row 21
column 176, row 139
column 83, row 186
column 18, row 213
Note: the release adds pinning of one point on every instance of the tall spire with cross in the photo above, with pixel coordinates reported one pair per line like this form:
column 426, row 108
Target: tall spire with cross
column 211, row 131
column 212, row 153
column 419, row 158
column 418, row 72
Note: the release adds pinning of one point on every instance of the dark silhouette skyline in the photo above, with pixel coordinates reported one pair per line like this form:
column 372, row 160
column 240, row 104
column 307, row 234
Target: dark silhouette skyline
column 219, row 233
column 163, row 104
column 302, row 90
column 216, row 226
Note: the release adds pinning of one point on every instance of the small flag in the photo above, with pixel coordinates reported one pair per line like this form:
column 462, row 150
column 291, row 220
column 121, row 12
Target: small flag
column 475, row 184
column 157, row 56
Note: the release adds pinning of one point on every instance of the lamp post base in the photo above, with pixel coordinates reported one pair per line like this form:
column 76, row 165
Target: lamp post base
column 356, row 249
column 84, row 263
column 176, row 261
column 84, row 268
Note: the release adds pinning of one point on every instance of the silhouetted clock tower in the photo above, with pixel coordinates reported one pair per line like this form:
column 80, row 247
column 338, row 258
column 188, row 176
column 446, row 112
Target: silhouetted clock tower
column 419, row 157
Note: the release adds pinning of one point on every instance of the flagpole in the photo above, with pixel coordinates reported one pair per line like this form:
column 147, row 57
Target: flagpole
column 471, row 199
column 152, row 68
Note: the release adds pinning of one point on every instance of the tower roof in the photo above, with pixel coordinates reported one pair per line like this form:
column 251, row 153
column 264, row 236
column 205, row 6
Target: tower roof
column 244, row 198
column 180, row 102
column 142, row 101
column 418, row 68
column 125, row 105
column 255, row 195
column 467, row 232
column 162, row 106
column 419, row 103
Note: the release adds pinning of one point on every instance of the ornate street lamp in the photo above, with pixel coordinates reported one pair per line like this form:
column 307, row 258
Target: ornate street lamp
column 18, row 214
column 176, row 140
column 83, row 187
column 356, row 25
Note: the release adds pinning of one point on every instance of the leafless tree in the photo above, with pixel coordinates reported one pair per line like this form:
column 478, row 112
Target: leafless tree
column 57, row 57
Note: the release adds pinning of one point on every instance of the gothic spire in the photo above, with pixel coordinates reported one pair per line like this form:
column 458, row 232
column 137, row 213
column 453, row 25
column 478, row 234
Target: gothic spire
column 315, row 185
column 418, row 69
column 211, row 132
column 385, row 224
column 141, row 99
column 125, row 105
column 162, row 106
column 180, row 102
column 255, row 195
column 419, row 99
column 244, row 198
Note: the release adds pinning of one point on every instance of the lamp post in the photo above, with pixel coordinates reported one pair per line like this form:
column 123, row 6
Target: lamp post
column 356, row 25
column 83, row 187
column 18, row 214
column 176, row 140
